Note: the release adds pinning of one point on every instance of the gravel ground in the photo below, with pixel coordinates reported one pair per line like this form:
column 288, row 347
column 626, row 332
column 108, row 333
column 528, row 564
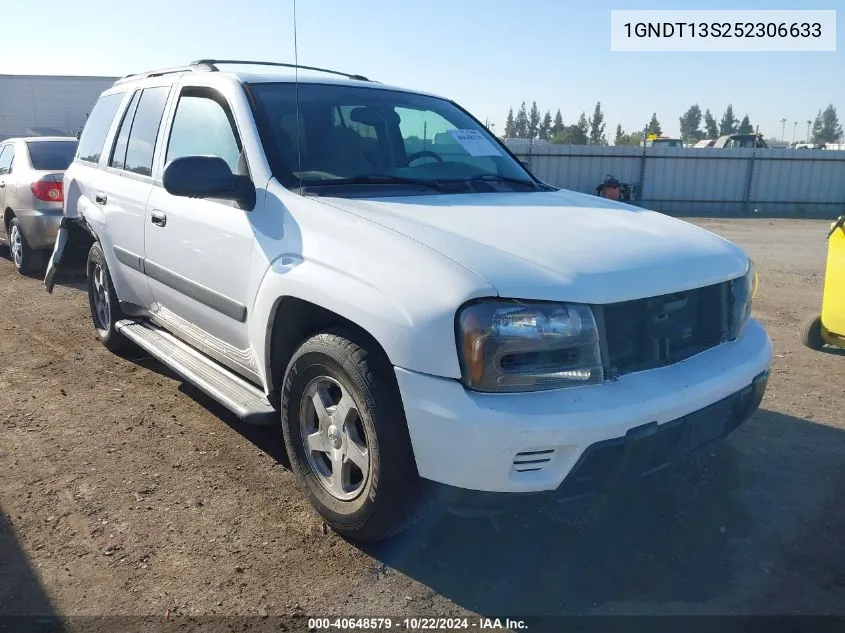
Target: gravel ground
column 125, row 491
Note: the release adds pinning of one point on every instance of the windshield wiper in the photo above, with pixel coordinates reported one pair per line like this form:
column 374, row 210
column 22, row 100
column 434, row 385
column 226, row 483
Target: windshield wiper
column 492, row 178
column 498, row 178
column 378, row 179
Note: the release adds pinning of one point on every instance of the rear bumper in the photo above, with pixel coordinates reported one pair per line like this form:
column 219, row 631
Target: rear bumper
column 71, row 244
column 39, row 227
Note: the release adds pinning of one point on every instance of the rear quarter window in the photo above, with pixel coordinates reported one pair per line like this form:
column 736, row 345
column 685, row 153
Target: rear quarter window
column 51, row 155
column 97, row 127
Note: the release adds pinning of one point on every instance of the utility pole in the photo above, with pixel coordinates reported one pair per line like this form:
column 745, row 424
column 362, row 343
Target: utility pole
column 782, row 129
column 808, row 130
column 794, row 130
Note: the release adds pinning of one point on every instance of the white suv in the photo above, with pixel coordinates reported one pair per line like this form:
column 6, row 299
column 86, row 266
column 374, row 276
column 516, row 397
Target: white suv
column 372, row 267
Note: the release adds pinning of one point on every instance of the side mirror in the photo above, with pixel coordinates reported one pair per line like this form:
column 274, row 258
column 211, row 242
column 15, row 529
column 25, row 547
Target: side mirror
column 207, row 177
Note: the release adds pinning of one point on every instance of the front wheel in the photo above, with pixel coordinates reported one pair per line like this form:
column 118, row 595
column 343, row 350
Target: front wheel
column 346, row 435
column 102, row 299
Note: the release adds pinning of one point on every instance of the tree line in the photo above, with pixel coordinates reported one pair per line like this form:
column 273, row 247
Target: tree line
column 529, row 124
column 694, row 125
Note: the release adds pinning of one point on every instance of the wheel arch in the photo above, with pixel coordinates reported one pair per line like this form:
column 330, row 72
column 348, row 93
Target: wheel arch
column 294, row 320
column 8, row 216
column 82, row 236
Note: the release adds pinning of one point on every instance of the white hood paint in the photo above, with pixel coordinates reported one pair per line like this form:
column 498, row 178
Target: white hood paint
column 561, row 245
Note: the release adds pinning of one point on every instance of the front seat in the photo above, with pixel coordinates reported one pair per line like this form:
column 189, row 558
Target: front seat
column 343, row 153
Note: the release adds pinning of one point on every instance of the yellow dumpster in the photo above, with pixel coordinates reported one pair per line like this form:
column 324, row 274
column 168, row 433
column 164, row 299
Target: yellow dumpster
column 829, row 328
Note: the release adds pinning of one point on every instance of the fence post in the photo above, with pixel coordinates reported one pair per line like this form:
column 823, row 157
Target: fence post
column 525, row 157
column 642, row 172
column 747, row 199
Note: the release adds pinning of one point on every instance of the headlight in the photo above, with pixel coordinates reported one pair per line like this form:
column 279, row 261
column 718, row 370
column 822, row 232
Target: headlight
column 508, row 345
column 743, row 290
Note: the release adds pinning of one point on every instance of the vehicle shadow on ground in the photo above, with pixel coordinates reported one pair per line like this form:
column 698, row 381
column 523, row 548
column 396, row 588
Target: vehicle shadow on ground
column 681, row 538
column 74, row 278
column 266, row 438
column 76, row 282
column 833, row 351
column 21, row 593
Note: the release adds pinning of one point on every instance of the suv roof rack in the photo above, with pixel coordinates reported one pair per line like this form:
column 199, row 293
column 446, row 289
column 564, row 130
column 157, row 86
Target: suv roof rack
column 211, row 64
column 194, row 67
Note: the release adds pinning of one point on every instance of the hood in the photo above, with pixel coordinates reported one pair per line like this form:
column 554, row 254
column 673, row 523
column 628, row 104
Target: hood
column 561, row 245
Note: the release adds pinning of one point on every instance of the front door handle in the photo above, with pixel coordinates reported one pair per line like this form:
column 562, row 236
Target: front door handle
column 2, row 184
column 159, row 218
column 100, row 198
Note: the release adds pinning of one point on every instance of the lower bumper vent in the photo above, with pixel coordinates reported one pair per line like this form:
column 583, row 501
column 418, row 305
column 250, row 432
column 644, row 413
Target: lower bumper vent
column 532, row 461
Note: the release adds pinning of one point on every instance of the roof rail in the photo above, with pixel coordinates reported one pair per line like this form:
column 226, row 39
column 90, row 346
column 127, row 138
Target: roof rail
column 211, row 64
column 195, row 67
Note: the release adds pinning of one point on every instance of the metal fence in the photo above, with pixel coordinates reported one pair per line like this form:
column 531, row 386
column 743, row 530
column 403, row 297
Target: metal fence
column 687, row 181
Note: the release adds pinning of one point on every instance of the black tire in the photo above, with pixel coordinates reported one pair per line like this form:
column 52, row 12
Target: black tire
column 811, row 333
column 27, row 260
column 390, row 496
column 101, row 289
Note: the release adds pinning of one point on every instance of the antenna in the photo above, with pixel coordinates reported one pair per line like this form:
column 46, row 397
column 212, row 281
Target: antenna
column 296, row 82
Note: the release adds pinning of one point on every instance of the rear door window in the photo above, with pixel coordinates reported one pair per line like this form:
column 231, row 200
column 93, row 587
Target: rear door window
column 118, row 153
column 51, row 155
column 145, row 124
column 97, row 127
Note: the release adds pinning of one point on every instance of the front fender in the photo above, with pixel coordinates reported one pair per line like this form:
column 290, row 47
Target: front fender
column 413, row 320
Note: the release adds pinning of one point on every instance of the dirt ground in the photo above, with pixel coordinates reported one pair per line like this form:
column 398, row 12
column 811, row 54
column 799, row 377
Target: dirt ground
column 125, row 491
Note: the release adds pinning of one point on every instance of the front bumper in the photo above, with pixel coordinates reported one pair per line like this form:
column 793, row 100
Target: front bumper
column 39, row 227
column 531, row 442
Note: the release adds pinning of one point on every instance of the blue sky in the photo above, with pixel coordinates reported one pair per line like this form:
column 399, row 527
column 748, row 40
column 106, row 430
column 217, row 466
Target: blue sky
column 485, row 54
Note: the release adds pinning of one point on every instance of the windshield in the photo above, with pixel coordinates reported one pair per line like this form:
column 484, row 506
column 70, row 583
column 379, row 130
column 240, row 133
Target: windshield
column 51, row 155
column 665, row 142
column 350, row 136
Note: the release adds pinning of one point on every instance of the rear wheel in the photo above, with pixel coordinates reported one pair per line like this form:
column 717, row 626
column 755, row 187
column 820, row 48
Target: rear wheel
column 105, row 308
column 346, row 436
column 27, row 261
column 811, row 333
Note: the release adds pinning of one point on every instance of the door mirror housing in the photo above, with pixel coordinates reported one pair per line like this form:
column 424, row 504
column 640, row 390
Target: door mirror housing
column 208, row 177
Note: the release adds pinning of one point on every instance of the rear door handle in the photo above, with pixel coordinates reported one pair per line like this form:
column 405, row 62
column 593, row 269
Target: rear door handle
column 159, row 218
column 3, row 184
column 100, row 198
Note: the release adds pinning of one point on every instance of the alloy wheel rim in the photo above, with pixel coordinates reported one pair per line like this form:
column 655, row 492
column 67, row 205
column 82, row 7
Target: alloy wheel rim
column 102, row 311
column 17, row 246
column 334, row 438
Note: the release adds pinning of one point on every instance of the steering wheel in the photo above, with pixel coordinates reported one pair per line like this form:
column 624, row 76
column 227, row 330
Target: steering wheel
column 423, row 154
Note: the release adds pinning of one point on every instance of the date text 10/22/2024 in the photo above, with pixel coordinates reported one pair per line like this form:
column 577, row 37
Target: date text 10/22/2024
column 415, row 624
